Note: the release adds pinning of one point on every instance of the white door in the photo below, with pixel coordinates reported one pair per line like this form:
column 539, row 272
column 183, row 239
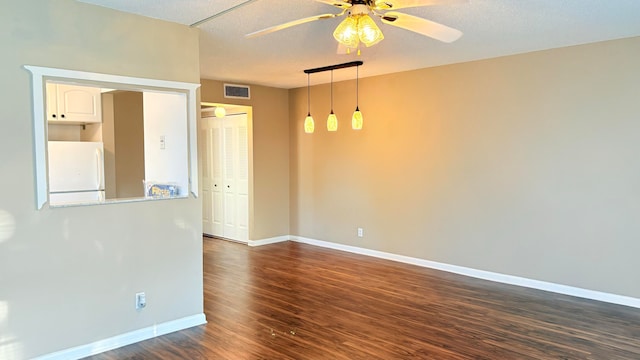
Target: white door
column 225, row 180
column 211, row 131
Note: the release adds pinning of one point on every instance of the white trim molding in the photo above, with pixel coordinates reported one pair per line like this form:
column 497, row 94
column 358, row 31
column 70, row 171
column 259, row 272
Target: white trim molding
column 480, row 274
column 268, row 241
column 126, row 339
column 40, row 74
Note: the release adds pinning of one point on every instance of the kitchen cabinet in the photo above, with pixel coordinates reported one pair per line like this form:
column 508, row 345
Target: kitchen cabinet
column 72, row 104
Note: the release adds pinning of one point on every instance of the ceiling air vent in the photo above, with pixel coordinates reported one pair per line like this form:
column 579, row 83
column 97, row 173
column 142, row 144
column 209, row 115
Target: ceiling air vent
column 237, row 91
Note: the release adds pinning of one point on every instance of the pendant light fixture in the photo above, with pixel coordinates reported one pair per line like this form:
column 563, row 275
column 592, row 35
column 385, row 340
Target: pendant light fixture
column 309, row 126
column 332, row 120
column 356, row 119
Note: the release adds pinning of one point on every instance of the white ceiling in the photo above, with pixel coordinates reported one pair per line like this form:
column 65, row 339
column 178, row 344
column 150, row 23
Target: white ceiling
column 491, row 28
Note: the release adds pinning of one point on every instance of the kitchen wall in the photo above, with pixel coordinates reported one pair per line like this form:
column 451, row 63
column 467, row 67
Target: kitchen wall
column 269, row 206
column 524, row 165
column 109, row 145
column 68, row 275
column 129, row 133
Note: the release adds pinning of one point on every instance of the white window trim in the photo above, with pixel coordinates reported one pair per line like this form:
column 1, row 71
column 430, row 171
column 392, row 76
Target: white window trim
column 40, row 74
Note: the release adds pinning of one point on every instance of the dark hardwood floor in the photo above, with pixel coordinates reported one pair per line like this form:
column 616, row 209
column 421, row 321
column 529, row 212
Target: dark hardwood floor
column 295, row 301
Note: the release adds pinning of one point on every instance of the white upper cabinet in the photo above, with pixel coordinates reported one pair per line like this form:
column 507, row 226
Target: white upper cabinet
column 73, row 104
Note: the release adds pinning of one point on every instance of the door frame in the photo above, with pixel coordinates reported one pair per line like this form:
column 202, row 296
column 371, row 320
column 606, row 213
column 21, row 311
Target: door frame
column 231, row 109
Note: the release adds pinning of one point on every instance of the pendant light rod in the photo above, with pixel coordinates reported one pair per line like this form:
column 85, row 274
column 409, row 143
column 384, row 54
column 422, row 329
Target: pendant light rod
column 334, row 67
column 308, row 97
column 332, row 91
column 357, row 76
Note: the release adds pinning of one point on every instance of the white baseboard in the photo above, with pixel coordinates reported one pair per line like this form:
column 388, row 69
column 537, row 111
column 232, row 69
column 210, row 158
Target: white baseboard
column 480, row 274
column 268, row 241
column 126, row 339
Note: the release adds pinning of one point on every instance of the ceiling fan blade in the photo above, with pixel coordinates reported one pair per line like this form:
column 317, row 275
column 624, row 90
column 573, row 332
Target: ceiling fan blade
column 422, row 26
column 401, row 4
column 290, row 24
column 337, row 3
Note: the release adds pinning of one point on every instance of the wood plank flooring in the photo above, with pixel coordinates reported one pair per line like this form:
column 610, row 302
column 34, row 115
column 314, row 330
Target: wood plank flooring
column 295, row 301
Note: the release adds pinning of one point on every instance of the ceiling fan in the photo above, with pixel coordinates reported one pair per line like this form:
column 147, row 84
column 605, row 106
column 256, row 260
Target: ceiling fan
column 358, row 27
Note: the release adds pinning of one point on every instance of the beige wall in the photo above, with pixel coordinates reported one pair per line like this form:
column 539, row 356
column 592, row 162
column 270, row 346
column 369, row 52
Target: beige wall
column 109, row 146
column 68, row 275
column 525, row 165
column 129, row 143
column 270, row 132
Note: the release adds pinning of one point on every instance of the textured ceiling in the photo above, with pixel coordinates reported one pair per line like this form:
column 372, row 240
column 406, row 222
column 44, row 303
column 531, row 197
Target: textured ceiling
column 491, row 28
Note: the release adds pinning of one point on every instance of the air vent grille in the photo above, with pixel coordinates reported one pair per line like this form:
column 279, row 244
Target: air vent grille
column 237, row 91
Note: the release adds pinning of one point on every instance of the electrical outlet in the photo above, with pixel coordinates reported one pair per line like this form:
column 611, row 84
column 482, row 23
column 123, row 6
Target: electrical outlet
column 141, row 301
column 360, row 232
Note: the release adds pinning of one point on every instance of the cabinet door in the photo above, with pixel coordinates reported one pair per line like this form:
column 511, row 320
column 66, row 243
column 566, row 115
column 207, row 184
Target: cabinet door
column 77, row 104
column 52, row 102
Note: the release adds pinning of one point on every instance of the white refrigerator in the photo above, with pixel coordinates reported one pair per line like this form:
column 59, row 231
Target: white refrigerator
column 76, row 172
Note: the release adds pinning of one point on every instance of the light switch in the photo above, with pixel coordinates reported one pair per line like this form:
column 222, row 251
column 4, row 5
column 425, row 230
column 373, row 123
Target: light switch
column 162, row 142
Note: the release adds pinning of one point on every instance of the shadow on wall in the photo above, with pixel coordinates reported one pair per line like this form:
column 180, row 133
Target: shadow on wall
column 10, row 348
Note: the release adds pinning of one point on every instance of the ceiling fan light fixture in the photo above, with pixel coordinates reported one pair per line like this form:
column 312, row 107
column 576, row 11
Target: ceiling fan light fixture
column 347, row 32
column 368, row 32
column 356, row 29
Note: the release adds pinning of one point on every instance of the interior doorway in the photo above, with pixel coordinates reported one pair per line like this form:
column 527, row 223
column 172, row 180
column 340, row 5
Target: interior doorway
column 225, row 153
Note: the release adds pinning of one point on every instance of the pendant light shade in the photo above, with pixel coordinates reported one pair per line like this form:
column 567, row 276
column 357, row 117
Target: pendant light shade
column 356, row 119
column 347, row 32
column 368, row 31
column 309, row 126
column 332, row 120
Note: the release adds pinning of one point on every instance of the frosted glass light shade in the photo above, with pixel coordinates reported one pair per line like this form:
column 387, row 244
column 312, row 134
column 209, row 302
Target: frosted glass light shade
column 356, row 120
column 332, row 122
column 368, row 32
column 347, row 32
column 220, row 112
column 309, row 125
